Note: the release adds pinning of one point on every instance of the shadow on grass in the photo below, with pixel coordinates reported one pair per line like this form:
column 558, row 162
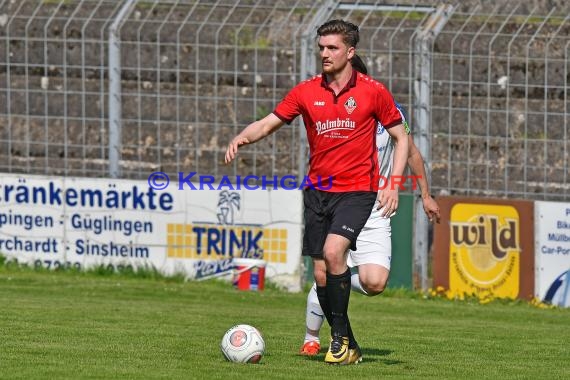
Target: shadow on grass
column 377, row 355
column 369, row 355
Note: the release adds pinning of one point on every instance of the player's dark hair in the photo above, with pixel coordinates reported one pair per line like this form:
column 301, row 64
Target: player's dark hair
column 348, row 30
column 358, row 64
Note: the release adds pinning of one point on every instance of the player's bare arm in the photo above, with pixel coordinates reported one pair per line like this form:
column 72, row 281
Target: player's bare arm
column 388, row 197
column 252, row 133
column 417, row 165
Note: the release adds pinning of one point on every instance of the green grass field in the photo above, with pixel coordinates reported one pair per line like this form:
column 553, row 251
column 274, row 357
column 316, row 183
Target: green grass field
column 75, row 325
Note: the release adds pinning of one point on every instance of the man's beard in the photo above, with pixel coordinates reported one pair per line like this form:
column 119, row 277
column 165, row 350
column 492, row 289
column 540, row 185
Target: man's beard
column 332, row 69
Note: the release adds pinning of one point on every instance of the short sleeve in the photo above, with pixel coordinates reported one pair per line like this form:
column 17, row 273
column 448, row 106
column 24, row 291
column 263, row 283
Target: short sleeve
column 289, row 108
column 404, row 117
column 387, row 112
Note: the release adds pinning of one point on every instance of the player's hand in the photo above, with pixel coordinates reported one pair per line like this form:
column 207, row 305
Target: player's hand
column 233, row 148
column 388, row 199
column 431, row 208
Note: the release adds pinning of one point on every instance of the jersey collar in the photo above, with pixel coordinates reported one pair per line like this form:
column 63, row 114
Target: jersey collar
column 351, row 82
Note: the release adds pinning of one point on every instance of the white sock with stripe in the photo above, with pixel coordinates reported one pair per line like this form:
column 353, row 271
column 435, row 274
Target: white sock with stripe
column 315, row 316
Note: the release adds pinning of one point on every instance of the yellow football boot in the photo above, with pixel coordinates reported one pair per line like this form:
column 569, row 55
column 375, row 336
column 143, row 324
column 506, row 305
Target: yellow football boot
column 354, row 356
column 338, row 350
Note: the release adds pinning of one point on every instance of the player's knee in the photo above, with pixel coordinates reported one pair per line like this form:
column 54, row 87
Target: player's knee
column 334, row 261
column 374, row 287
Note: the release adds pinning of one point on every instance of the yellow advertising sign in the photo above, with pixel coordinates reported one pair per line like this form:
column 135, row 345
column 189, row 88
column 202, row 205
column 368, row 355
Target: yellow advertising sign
column 484, row 250
column 214, row 241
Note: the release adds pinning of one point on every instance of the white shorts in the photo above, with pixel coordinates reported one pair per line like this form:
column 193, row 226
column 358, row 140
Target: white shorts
column 374, row 244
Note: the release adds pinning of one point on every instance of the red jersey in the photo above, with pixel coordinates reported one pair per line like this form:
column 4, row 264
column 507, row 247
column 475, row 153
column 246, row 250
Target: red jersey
column 341, row 129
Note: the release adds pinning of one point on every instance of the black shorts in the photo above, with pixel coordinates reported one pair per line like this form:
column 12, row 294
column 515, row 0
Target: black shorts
column 334, row 213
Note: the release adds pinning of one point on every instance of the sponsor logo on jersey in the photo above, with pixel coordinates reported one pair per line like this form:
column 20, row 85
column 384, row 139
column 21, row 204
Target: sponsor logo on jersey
column 332, row 125
column 319, row 103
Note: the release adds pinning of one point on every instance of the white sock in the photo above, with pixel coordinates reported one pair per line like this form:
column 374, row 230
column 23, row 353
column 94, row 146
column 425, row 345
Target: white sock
column 315, row 316
column 311, row 338
column 356, row 285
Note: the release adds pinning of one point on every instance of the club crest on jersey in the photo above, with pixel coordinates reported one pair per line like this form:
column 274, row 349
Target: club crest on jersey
column 350, row 105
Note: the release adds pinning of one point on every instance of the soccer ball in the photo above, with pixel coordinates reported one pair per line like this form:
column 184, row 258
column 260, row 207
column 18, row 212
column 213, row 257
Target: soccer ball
column 243, row 344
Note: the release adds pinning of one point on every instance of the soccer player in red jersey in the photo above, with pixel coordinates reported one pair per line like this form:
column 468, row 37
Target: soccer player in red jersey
column 340, row 110
column 372, row 259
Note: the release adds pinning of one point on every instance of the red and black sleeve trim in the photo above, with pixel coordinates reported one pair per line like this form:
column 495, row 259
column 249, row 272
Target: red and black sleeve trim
column 283, row 119
column 394, row 124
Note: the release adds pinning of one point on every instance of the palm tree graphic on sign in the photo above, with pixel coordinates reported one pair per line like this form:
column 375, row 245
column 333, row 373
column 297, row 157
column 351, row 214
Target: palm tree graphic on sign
column 227, row 204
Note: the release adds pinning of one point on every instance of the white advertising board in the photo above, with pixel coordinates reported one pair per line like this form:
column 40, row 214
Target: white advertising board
column 552, row 252
column 82, row 222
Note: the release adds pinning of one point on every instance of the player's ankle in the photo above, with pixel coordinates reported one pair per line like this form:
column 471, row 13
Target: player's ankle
column 311, row 338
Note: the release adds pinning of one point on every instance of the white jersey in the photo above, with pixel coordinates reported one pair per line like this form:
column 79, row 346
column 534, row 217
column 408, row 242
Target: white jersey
column 385, row 146
column 374, row 244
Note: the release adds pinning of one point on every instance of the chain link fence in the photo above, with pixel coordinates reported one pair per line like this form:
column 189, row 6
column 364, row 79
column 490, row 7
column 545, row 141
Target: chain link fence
column 124, row 88
column 191, row 74
column 500, row 105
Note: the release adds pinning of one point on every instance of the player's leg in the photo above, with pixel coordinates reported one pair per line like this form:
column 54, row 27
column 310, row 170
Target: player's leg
column 373, row 256
column 349, row 213
column 314, row 314
column 316, row 230
column 370, row 280
column 337, row 296
column 373, row 262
